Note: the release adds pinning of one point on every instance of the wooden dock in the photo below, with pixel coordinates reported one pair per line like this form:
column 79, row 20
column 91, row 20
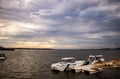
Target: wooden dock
column 87, row 68
column 96, row 67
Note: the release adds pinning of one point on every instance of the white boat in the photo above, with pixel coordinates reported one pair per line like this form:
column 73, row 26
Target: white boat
column 66, row 63
column 2, row 56
column 89, row 65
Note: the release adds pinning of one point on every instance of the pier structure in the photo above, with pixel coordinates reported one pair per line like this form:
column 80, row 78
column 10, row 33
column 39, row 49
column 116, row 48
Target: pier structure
column 86, row 68
column 96, row 67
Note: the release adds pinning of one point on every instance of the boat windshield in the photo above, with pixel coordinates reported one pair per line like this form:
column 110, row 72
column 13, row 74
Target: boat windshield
column 69, row 59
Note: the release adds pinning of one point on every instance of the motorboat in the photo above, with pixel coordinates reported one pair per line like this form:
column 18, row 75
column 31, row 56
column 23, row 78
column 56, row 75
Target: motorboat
column 66, row 63
column 88, row 65
column 2, row 56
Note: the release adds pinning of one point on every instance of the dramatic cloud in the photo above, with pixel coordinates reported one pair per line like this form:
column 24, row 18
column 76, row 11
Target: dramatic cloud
column 59, row 23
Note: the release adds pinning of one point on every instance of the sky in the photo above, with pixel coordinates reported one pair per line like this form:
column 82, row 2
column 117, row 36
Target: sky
column 60, row 24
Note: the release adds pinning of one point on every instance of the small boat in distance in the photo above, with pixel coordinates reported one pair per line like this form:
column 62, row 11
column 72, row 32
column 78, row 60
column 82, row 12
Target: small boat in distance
column 2, row 57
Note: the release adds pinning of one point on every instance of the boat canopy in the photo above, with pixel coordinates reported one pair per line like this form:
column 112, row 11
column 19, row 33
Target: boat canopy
column 93, row 56
column 68, row 58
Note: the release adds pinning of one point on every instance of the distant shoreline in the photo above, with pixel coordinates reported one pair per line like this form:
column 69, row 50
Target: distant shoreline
column 3, row 48
column 12, row 49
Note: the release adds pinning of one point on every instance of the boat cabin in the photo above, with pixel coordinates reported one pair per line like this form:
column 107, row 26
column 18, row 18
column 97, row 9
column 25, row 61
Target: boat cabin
column 98, row 58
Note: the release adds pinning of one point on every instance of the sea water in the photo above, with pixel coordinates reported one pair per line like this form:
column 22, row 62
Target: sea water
column 35, row 64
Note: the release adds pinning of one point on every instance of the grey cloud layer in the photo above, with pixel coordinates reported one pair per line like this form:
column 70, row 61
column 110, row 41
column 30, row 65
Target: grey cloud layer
column 73, row 23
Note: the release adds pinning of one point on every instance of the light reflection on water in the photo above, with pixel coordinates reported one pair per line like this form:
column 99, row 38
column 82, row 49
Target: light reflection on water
column 35, row 64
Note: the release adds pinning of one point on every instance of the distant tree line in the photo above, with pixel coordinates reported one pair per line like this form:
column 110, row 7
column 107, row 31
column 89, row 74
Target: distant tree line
column 3, row 48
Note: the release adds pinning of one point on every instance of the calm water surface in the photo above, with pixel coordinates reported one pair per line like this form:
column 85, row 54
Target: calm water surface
column 35, row 64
